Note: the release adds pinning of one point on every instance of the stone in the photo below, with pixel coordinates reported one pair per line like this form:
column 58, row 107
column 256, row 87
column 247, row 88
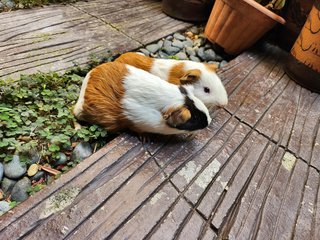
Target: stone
column 15, row 169
column 177, row 43
column 144, row 51
column 188, row 43
column 182, row 56
column 198, row 42
column 62, row 159
column 1, row 171
column 19, row 192
column 81, row 151
column 169, row 37
column 209, row 55
column 34, row 156
column 10, row 4
column 152, row 48
column 7, row 185
column 33, row 169
column 171, row 50
column 178, row 36
column 194, row 58
column 190, row 51
column 160, row 43
column 200, row 53
column 167, row 43
column 194, row 30
column 38, row 176
column 4, row 207
column 1, row 6
column 223, row 63
column 162, row 54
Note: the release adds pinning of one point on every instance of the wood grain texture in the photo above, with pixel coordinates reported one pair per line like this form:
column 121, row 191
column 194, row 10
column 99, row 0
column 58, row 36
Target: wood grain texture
column 252, row 174
column 53, row 38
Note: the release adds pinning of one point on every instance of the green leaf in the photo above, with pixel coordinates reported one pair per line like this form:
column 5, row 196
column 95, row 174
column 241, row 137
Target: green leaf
column 54, row 148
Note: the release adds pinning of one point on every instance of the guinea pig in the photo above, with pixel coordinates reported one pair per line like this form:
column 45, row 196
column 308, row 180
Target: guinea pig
column 207, row 85
column 118, row 96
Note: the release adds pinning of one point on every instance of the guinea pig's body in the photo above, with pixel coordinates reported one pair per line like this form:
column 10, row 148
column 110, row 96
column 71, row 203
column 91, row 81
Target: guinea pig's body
column 207, row 85
column 119, row 96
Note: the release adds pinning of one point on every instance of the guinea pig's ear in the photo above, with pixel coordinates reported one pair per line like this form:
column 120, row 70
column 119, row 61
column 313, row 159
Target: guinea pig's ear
column 177, row 116
column 212, row 67
column 191, row 76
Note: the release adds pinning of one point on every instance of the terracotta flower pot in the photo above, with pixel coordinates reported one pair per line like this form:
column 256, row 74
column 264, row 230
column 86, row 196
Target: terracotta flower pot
column 303, row 65
column 236, row 25
column 188, row 10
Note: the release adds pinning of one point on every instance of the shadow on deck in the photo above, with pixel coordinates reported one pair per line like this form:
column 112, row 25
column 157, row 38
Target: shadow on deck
column 253, row 174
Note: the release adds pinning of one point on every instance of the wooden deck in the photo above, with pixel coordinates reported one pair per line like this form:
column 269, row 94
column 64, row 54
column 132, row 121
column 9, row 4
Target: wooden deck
column 54, row 37
column 252, row 174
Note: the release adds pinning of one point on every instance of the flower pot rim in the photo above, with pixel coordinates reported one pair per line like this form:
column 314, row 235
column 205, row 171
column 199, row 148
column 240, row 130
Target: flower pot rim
column 266, row 11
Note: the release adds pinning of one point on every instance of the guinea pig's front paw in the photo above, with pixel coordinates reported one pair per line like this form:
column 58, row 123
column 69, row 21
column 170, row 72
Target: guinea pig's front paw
column 177, row 116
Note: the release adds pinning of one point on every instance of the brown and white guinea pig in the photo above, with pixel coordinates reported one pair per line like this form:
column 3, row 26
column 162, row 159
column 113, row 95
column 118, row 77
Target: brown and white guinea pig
column 207, row 85
column 118, row 96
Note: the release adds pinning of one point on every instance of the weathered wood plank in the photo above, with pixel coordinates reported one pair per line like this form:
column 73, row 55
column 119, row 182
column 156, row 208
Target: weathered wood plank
column 54, row 37
column 143, row 21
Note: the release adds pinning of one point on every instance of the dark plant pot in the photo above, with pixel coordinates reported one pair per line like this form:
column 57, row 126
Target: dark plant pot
column 236, row 25
column 188, row 10
column 303, row 65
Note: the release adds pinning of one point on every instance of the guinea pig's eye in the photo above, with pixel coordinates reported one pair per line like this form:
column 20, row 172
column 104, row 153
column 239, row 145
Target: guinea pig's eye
column 206, row 90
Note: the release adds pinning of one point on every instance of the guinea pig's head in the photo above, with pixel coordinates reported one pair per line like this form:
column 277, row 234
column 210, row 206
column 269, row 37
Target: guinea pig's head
column 207, row 85
column 193, row 115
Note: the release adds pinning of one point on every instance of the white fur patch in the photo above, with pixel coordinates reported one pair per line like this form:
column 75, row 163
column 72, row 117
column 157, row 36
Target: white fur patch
column 217, row 96
column 78, row 108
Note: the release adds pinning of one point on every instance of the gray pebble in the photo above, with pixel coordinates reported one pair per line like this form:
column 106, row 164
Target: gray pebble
column 200, row 53
column 188, row 43
column 223, row 63
column 169, row 37
column 190, row 51
column 144, row 51
column 1, row 171
column 19, row 192
column 194, row 30
column 62, row 159
column 152, row 48
column 15, row 169
column 4, row 207
column 167, row 43
column 182, row 56
column 7, row 185
column 218, row 58
column 160, row 43
column 162, row 54
column 34, row 156
column 177, row 43
column 10, row 4
column 38, row 176
column 207, row 46
column 194, row 58
column 81, row 151
column 179, row 36
column 1, row 6
column 171, row 50
column 209, row 55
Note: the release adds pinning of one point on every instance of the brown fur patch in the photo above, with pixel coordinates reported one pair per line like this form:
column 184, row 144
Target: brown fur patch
column 211, row 67
column 102, row 98
column 177, row 116
column 175, row 73
column 136, row 60
column 191, row 76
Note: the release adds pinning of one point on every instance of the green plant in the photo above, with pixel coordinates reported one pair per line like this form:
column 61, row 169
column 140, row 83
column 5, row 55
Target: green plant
column 36, row 188
column 274, row 5
column 36, row 114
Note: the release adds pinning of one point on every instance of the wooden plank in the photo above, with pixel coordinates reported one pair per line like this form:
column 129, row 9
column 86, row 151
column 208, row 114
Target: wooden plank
column 143, row 21
column 53, row 38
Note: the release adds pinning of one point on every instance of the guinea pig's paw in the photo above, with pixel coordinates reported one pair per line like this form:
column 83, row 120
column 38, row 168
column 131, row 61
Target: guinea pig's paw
column 177, row 116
